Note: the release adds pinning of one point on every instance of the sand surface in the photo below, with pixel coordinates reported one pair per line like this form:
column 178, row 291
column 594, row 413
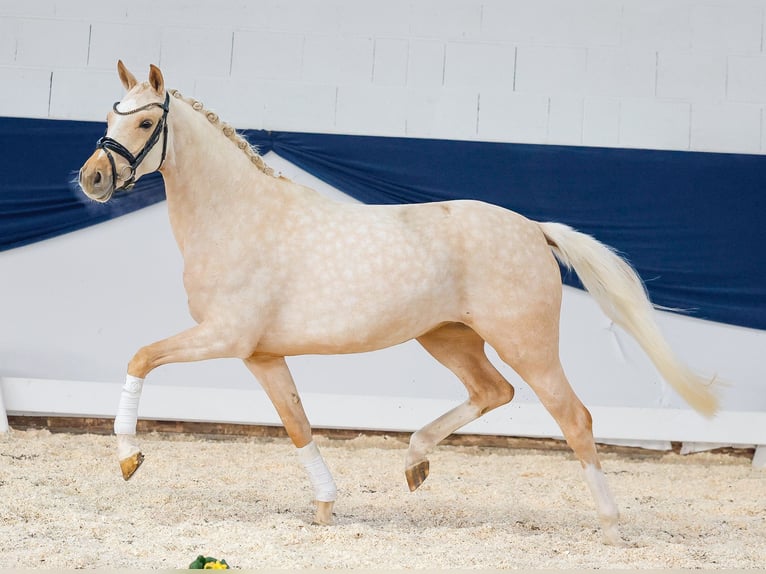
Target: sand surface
column 65, row 505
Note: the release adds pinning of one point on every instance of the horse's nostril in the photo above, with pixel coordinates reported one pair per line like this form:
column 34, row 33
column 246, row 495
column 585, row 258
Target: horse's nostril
column 97, row 178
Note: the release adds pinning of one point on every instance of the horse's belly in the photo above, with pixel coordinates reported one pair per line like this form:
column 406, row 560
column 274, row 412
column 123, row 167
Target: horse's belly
column 353, row 324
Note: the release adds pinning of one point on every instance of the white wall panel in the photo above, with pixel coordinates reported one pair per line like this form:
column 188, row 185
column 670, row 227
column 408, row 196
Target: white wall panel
column 55, row 43
column 137, row 46
column 390, row 61
column 565, row 120
column 342, row 60
column 299, row 106
column 621, row 72
column 553, row 22
column 657, row 24
column 727, row 26
column 551, row 70
column 378, row 110
column 746, row 80
column 269, row 55
column 654, row 124
column 638, row 56
column 194, row 51
column 479, row 65
column 442, row 113
column 70, row 102
column 691, row 75
column 9, row 31
column 504, row 112
column 425, row 64
column 449, row 19
column 601, row 122
column 25, row 92
column 728, row 126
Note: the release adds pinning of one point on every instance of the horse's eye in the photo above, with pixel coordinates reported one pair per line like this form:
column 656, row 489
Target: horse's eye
column 146, row 124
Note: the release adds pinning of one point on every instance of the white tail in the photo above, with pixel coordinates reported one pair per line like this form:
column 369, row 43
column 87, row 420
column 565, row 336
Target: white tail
column 622, row 296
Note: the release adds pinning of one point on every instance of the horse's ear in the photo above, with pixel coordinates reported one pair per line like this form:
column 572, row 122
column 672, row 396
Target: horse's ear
column 156, row 81
column 128, row 80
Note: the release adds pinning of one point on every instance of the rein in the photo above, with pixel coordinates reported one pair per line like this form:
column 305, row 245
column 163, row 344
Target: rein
column 109, row 145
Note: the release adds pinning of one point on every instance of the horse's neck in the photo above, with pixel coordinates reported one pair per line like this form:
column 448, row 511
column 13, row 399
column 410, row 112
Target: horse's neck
column 209, row 182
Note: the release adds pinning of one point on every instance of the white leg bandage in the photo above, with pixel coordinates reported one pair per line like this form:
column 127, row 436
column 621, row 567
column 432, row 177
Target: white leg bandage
column 605, row 504
column 127, row 410
column 321, row 479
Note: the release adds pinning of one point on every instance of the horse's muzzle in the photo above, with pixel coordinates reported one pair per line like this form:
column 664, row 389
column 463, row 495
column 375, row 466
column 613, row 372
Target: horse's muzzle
column 95, row 178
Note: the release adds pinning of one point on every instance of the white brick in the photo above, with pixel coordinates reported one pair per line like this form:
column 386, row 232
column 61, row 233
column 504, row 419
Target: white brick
column 373, row 110
column 296, row 106
column 90, row 10
column 746, row 80
column 447, row 19
column 442, row 113
column 510, row 117
column 374, row 18
column 25, row 92
column 553, row 22
column 565, row 120
column 621, row 72
column 306, row 16
column 196, row 51
column 52, row 43
column 731, row 27
column 84, row 94
column 479, row 65
column 691, row 75
column 601, row 122
column 726, row 127
column 137, row 46
column 550, row 70
column 328, row 60
column 240, row 102
column 270, row 55
column 390, row 62
column 654, row 125
column 8, row 37
column 199, row 13
column 36, row 9
column 657, row 24
column 425, row 65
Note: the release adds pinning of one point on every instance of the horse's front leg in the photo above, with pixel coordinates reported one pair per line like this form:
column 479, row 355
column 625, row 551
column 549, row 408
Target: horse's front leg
column 198, row 343
column 276, row 380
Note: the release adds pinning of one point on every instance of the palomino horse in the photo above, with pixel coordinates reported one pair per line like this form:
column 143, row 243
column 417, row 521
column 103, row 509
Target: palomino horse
column 274, row 269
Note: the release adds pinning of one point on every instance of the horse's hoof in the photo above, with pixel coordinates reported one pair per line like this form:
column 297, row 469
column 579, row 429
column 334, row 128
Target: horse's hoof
column 612, row 538
column 417, row 474
column 323, row 515
column 130, row 465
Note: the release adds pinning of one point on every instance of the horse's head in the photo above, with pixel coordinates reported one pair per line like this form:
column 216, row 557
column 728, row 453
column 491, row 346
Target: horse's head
column 129, row 149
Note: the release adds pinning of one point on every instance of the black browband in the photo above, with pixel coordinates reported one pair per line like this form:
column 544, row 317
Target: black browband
column 106, row 143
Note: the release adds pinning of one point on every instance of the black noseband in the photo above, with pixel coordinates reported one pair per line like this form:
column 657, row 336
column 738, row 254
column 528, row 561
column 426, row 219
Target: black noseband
column 111, row 145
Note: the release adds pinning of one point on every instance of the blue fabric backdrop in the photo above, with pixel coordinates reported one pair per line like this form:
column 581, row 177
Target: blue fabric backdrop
column 689, row 222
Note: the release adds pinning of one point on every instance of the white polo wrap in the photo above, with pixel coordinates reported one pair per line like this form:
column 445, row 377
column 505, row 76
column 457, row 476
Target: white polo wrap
column 127, row 410
column 319, row 475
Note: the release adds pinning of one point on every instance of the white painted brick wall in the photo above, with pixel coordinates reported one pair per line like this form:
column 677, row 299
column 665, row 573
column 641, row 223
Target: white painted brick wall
column 479, row 64
column 678, row 74
column 691, row 75
column 550, row 70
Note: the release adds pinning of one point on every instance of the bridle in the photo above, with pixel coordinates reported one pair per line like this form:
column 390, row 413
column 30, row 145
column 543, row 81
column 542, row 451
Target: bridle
column 108, row 144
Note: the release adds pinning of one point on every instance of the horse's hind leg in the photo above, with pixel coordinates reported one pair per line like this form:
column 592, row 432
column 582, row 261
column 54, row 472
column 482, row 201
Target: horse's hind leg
column 542, row 370
column 461, row 350
column 276, row 380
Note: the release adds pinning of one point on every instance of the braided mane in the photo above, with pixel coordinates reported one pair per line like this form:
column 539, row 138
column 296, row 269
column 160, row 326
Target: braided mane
column 249, row 150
